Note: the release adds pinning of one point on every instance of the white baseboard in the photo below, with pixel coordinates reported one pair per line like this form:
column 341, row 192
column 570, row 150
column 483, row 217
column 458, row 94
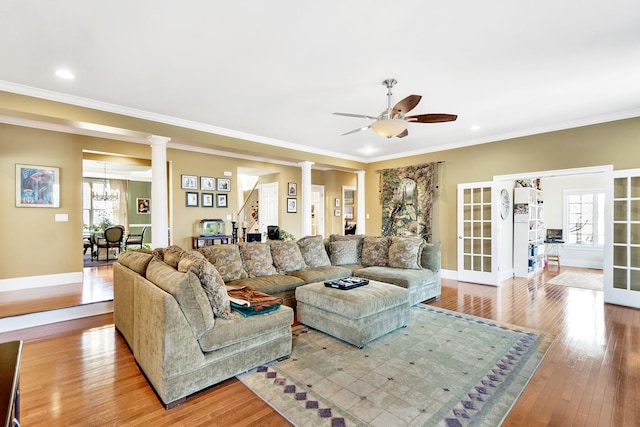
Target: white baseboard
column 15, row 323
column 576, row 262
column 449, row 274
column 28, row 282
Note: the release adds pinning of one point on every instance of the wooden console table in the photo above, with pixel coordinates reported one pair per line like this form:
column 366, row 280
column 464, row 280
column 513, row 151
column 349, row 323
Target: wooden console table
column 10, row 355
column 202, row 241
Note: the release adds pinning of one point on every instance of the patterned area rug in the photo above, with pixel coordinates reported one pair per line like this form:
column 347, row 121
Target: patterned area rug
column 578, row 280
column 445, row 368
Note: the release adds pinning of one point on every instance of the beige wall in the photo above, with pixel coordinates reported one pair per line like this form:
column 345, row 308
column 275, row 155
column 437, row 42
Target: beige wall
column 36, row 245
column 615, row 143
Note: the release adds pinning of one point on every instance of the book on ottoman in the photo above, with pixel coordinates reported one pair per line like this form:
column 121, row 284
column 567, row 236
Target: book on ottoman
column 346, row 283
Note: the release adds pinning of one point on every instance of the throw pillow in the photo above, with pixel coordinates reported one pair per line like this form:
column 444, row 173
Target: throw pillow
column 406, row 252
column 431, row 255
column 136, row 261
column 344, row 252
column 257, row 259
column 375, row 251
column 210, row 280
column 313, row 251
column 286, row 256
column 226, row 259
column 357, row 237
column 171, row 255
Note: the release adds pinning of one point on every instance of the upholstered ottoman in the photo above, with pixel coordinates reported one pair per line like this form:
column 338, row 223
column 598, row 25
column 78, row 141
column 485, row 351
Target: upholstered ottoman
column 356, row 316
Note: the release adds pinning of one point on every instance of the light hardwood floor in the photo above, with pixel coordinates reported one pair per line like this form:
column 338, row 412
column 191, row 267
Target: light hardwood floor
column 82, row 373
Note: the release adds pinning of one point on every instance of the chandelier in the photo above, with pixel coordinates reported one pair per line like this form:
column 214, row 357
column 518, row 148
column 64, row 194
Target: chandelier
column 106, row 195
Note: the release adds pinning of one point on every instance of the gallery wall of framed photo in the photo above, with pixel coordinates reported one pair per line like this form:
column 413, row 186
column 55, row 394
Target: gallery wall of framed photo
column 214, row 192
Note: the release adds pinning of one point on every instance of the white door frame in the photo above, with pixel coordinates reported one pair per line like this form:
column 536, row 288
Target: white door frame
column 607, row 170
column 265, row 191
column 319, row 210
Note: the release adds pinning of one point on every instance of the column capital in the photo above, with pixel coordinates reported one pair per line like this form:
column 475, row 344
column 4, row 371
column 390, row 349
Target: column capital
column 159, row 140
column 306, row 164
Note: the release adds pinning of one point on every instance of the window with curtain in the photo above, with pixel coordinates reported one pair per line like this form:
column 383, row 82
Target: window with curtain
column 95, row 213
column 584, row 217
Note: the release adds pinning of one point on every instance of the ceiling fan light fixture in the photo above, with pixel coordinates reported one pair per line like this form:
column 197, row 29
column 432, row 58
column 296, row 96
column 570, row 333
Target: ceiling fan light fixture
column 389, row 127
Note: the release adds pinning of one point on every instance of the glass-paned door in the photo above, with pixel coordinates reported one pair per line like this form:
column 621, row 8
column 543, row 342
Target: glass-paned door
column 476, row 227
column 626, row 240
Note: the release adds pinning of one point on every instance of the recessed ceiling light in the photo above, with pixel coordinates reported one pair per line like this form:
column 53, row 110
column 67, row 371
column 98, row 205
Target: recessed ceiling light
column 65, row 74
column 475, row 127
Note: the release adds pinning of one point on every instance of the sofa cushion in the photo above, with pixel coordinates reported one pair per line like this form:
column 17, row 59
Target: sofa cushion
column 136, row 261
column 313, row 251
column 375, row 251
column 171, row 255
column 239, row 329
column 406, row 252
column 344, row 252
column 286, row 256
column 210, row 280
column 431, row 256
column 187, row 291
column 272, row 285
column 227, row 260
column 320, row 274
column 257, row 259
column 406, row 278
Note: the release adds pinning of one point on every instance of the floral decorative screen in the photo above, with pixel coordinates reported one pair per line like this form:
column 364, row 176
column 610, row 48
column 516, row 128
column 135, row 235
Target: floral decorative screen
column 407, row 199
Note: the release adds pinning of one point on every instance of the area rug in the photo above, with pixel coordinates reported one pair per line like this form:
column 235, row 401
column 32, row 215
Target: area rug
column 445, row 368
column 578, row 279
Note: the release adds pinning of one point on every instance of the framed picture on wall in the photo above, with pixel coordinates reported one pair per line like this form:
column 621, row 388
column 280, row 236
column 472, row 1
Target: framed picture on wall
column 292, row 205
column 223, row 202
column 207, row 200
column 207, row 183
column 292, row 189
column 224, row 184
column 191, row 199
column 37, row 186
column 189, row 182
column 143, row 205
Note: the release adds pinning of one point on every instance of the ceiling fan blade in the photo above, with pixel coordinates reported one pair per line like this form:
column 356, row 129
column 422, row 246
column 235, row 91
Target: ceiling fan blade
column 406, row 105
column 359, row 116
column 356, row 130
column 402, row 134
column 431, row 118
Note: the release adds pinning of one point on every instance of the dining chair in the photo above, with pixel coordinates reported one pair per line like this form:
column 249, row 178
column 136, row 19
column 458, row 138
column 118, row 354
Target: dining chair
column 135, row 239
column 112, row 239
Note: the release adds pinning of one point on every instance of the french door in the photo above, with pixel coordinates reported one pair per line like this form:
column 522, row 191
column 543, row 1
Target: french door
column 476, row 228
column 622, row 287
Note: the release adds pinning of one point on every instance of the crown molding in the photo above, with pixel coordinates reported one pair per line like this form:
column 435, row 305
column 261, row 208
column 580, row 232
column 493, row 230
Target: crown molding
column 169, row 120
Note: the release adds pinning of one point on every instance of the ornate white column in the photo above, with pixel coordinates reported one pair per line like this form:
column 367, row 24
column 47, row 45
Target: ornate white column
column 306, row 198
column 360, row 215
column 159, row 199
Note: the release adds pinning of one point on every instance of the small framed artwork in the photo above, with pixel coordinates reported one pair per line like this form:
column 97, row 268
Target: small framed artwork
column 336, row 212
column 37, row 186
column 224, row 184
column 223, row 201
column 191, row 199
column 207, row 184
column 292, row 189
column 143, row 205
column 189, row 182
column 207, row 200
column 292, row 205
column 337, row 203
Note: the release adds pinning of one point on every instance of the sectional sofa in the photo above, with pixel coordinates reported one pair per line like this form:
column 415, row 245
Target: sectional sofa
column 171, row 305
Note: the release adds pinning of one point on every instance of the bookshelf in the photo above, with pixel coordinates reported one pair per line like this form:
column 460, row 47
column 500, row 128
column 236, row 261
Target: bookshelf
column 528, row 231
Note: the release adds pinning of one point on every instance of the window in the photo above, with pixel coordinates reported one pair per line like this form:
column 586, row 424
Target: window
column 584, row 217
column 96, row 213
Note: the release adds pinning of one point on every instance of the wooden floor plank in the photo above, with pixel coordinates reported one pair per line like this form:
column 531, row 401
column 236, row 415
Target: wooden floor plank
column 82, row 372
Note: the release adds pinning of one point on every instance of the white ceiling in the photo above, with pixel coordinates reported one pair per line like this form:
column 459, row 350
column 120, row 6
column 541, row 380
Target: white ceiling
column 274, row 71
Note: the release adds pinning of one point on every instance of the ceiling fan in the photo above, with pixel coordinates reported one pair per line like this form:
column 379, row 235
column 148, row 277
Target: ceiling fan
column 393, row 121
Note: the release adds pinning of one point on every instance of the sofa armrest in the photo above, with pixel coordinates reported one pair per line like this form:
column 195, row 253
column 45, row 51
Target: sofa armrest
column 164, row 345
column 432, row 256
